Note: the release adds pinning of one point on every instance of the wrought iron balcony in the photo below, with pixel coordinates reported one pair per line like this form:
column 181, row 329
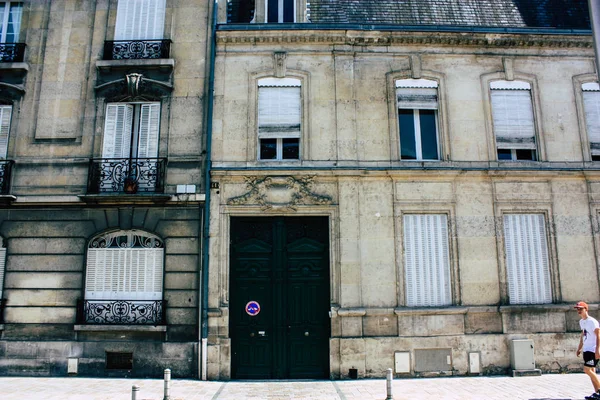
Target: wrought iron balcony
column 129, row 176
column 12, row 52
column 2, row 307
column 121, row 312
column 6, row 168
column 136, row 49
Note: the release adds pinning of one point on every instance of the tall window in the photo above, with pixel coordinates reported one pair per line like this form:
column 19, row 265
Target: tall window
column 279, row 116
column 280, row 10
column 2, row 265
column 418, row 119
column 427, row 260
column 591, row 105
column 514, row 127
column 124, row 265
column 140, row 19
column 10, row 21
column 527, row 261
column 131, row 130
column 5, row 113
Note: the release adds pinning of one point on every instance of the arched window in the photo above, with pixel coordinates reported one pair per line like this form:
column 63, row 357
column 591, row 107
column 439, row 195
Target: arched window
column 125, row 265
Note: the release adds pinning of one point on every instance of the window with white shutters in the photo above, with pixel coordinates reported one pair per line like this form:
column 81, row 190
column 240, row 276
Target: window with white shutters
column 279, row 116
column 5, row 114
column 427, row 260
column 2, row 267
column 527, row 260
column 131, row 130
column 140, row 20
column 513, row 121
column 417, row 101
column 10, row 21
column 125, row 265
column 591, row 105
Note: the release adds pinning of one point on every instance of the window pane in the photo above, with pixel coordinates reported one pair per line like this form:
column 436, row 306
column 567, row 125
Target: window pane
column 273, row 11
column 14, row 22
column 504, row 154
column 429, row 147
column 291, row 149
column 268, row 149
column 526, row 155
column 406, row 120
column 288, row 10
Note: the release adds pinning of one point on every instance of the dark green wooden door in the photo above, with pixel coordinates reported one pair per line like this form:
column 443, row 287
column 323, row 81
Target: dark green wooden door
column 283, row 264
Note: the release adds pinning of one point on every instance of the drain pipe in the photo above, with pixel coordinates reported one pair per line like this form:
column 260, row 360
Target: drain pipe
column 207, row 168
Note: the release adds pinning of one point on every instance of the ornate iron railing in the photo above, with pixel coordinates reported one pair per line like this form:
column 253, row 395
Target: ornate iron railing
column 123, row 175
column 136, row 49
column 122, row 312
column 12, row 52
column 2, row 307
column 6, row 168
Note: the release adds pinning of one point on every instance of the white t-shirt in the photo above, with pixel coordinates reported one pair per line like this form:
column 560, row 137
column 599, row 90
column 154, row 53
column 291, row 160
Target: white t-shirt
column 588, row 326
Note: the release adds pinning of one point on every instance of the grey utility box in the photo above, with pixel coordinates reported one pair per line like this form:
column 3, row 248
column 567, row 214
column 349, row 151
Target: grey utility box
column 522, row 359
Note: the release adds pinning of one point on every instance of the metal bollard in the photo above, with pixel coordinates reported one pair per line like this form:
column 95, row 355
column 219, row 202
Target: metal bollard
column 167, row 384
column 388, row 381
column 134, row 391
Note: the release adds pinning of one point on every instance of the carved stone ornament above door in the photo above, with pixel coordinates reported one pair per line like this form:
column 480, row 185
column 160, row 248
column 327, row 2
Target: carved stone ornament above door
column 280, row 192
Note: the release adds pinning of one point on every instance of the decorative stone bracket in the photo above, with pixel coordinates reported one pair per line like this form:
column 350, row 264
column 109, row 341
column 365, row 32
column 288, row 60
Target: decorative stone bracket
column 280, row 192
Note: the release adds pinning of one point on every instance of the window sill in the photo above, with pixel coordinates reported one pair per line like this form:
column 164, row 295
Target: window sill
column 161, row 63
column 516, row 308
column 122, row 198
column 120, row 328
column 16, row 66
column 7, row 198
column 430, row 310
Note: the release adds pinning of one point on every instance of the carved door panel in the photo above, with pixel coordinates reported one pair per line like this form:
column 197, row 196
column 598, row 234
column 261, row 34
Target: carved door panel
column 282, row 264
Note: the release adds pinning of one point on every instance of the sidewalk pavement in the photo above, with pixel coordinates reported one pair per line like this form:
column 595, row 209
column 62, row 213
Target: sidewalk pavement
column 545, row 387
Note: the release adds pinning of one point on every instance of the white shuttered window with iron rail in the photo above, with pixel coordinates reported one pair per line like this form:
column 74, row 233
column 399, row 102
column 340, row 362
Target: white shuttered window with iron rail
column 140, row 20
column 5, row 114
column 427, row 260
column 527, row 259
column 131, row 130
column 591, row 105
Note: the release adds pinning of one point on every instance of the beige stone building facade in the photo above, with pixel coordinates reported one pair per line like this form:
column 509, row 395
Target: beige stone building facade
column 103, row 119
column 436, row 185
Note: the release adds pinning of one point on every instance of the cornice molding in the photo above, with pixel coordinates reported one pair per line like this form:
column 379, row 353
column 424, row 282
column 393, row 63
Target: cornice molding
column 382, row 38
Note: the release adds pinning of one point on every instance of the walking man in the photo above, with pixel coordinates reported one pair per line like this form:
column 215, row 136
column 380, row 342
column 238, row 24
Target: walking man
column 589, row 342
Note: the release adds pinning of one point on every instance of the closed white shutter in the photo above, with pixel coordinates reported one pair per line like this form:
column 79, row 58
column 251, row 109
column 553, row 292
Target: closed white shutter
column 124, row 274
column 527, row 262
column 140, row 20
column 117, row 131
column 591, row 105
column 5, row 113
column 2, row 268
column 279, row 112
column 512, row 113
column 426, row 260
column 149, row 130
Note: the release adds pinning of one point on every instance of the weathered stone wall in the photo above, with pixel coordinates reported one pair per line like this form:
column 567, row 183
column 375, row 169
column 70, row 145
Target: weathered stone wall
column 349, row 144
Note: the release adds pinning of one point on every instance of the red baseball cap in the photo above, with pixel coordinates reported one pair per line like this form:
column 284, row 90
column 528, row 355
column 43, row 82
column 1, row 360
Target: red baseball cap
column 581, row 304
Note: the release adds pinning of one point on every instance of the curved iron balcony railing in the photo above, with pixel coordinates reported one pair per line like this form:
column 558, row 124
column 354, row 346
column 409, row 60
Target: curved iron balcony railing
column 126, row 175
column 6, row 167
column 12, row 52
column 136, row 49
column 122, row 312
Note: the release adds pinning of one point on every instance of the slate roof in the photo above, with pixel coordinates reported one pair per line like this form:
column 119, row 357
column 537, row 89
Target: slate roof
column 564, row 14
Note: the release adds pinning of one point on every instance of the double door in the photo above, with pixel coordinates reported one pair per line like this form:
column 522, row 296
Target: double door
column 279, row 297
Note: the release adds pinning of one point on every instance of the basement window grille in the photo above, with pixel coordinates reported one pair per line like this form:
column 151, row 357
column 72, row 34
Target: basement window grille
column 116, row 360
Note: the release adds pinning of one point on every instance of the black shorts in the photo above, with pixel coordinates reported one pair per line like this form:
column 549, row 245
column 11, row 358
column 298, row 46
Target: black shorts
column 589, row 359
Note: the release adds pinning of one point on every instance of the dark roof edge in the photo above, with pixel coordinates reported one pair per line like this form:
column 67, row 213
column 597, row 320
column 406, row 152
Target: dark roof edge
column 402, row 28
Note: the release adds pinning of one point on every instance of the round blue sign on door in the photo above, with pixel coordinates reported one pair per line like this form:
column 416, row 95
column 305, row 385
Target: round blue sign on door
column 252, row 308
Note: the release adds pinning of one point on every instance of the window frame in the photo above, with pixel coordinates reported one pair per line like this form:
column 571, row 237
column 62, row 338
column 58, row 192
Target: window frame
column 526, row 208
column 280, row 11
column 93, row 245
column 4, row 22
column 443, row 140
column 486, row 80
column 119, row 32
column 402, row 208
column 578, row 82
column 252, row 141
